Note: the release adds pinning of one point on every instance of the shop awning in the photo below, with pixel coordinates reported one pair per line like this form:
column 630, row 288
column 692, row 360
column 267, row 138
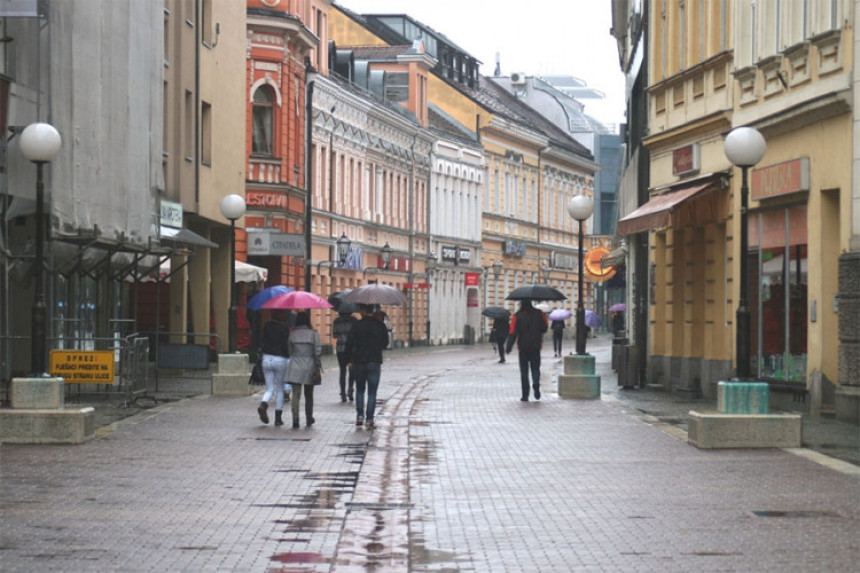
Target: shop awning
column 658, row 211
column 245, row 273
column 184, row 238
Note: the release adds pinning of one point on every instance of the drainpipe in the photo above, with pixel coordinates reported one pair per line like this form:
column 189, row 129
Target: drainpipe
column 309, row 124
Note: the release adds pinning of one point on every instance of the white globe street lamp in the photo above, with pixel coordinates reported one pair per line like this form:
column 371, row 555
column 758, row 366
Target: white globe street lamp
column 744, row 147
column 580, row 207
column 40, row 143
column 232, row 207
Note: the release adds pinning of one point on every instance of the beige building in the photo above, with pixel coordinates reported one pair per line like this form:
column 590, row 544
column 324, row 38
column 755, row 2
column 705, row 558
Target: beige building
column 204, row 153
column 790, row 79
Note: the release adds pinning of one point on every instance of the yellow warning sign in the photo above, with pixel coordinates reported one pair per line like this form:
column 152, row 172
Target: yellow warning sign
column 83, row 366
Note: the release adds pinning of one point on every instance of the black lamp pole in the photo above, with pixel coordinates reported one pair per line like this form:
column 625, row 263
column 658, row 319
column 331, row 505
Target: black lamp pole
column 232, row 314
column 580, row 308
column 38, row 340
column 742, row 316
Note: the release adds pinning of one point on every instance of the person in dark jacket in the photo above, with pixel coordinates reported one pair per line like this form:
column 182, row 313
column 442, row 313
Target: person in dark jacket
column 557, row 327
column 501, row 326
column 364, row 356
column 527, row 329
column 341, row 327
column 276, row 359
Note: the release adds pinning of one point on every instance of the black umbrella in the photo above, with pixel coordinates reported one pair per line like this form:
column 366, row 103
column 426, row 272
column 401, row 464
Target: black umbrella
column 347, row 307
column 336, row 299
column 535, row 292
column 496, row 312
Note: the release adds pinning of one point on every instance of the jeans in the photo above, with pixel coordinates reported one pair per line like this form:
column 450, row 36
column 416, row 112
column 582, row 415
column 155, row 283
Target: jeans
column 344, row 372
column 275, row 369
column 308, row 391
column 366, row 376
column 530, row 361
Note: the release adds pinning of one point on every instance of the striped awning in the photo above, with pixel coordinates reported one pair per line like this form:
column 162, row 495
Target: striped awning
column 658, row 211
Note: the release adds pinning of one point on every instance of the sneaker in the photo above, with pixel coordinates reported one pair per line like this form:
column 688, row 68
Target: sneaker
column 359, row 421
column 371, row 425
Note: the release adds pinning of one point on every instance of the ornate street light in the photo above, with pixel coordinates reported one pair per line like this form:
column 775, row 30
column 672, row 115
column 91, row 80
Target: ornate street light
column 40, row 143
column 580, row 207
column 545, row 272
column 232, row 207
column 430, row 263
column 497, row 269
column 386, row 255
column 343, row 245
column 744, row 147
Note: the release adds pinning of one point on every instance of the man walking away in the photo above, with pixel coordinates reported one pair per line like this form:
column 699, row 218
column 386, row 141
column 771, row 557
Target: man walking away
column 341, row 327
column 527, row 329
column 501, row 326
column 364, row 356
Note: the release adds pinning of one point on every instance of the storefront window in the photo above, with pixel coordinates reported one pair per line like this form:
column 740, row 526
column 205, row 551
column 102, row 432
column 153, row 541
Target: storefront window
column 778, row 265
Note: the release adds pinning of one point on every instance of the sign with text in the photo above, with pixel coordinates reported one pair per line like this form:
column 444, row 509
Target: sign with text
column 83, row 366
column 685, row 160
column 780, row 179
column 279, row 244
column 471, row 279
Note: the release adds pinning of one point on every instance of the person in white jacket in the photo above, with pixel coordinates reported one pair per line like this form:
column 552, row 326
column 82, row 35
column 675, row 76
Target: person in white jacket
column 305, row 355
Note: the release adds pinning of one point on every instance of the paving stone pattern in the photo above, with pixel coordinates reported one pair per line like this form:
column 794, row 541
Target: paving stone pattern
column 459, row 476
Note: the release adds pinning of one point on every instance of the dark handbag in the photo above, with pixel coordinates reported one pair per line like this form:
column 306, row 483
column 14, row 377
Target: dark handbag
column 316, row 377
column 257, row 376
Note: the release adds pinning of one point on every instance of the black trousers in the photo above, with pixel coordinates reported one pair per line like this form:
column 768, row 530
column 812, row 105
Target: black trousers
column 530, row 362
column 501, row 346
column 556, row 340
column 344, row 373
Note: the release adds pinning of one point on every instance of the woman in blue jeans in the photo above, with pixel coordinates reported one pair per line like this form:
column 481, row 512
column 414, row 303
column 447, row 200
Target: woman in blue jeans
column 275, row 350
column 364, row 356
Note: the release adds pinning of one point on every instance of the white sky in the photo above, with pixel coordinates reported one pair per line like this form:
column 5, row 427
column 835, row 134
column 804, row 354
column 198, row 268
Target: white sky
column 562, row 37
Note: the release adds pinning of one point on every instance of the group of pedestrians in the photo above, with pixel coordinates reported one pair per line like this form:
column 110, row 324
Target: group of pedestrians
column 292, row 355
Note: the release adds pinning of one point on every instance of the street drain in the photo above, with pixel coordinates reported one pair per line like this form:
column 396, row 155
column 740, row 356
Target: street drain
column 797, row 513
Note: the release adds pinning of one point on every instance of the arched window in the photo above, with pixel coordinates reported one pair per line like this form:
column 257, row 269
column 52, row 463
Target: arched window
column 262, row 142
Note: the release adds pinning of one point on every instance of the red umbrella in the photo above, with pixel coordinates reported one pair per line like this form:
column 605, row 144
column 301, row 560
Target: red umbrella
column 296, row 300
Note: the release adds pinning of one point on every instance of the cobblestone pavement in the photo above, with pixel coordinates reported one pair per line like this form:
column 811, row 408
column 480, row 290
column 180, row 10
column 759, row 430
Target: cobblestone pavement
column 459, row 476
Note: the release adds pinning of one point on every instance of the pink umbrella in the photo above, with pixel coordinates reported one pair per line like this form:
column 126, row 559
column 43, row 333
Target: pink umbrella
column 296, row 300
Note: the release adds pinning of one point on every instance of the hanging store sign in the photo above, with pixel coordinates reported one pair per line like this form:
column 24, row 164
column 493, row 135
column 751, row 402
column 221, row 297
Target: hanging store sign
column 685, row 160
column 277, row 244
column 594, row 270
column 171, row 214
column 780, row 179
column 471, row 279
column 83, row 366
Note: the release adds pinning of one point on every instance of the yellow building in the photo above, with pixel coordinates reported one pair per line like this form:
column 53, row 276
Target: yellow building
column 791, row 80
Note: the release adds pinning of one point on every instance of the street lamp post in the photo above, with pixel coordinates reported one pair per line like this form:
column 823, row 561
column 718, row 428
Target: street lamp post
column 343, row 246
column 386, row 255
column 580, row 208
column 744, row 147
column 430, row 265
column 232, row 207
column 40, row 143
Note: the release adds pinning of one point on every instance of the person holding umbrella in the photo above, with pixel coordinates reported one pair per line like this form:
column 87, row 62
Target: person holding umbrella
column 557, row 327
column 364, row 356
column 501, row 326
column 527, row 329
column 305, row 354
column 276, row 359
column 341, row 327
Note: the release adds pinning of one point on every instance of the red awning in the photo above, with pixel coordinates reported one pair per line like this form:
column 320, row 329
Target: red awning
column 658, row 211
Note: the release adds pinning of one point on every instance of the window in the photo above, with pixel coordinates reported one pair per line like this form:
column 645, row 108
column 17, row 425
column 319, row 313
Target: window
column 206, row 22
column 206, row 133
column 263, row 122
column 189, row 126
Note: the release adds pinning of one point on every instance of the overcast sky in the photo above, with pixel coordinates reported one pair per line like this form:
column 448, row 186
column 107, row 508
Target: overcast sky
column 561, row 37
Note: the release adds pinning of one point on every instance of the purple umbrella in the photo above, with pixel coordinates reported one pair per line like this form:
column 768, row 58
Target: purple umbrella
column 560, row 314
column 591, row 319
column 617, row 307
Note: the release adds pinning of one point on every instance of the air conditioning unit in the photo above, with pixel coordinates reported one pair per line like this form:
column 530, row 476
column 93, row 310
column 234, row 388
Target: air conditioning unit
column 518, row 79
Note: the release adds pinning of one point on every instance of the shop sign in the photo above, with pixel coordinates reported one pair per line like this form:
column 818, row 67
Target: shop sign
column 416, row 285
column 83, row 366
column 563, row 261
column 171, row 214
column 780, row 179
column 471, row 279
column 449, row 254
column 277, row 244
column 266, row 199
column 685, row 160
column 516, row 248
column 403, row 264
